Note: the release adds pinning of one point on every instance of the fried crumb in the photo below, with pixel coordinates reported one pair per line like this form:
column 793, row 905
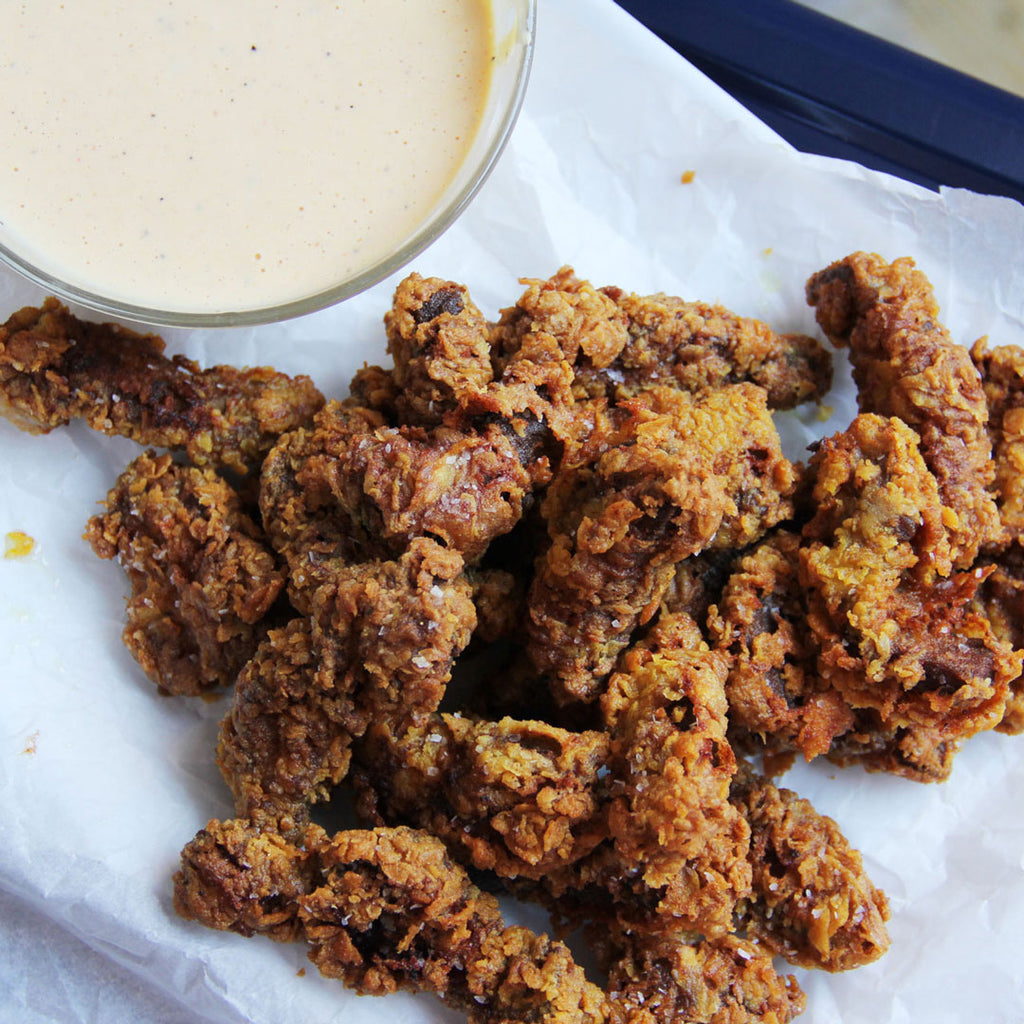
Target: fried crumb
column 18, row 544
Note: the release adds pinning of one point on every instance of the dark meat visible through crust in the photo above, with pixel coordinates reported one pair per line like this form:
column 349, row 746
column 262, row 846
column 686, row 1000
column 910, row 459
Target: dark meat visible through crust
column 620, row 344
column 383, row 910
column 55, row 368
column 671, row 475
column 905, row 364
column 201, row 575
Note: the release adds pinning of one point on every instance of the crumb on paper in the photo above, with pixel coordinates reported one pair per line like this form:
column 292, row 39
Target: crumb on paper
column 687, row 176
column 18, row 544
column 301, row 972
column 825, row 412
column 30, row 746
column 768, row 251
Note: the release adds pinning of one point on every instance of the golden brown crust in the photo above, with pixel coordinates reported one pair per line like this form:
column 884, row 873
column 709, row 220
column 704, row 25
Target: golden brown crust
column 895, row 631
column 662, row 477
column 1002, row 375
column 282, row 746
column 906, row 365
column 812, row 901
column 519, row 798
column 55, row 368
column 201, row 575
column 383, row 910
column 593, row 494
column 620, row 344
column 727, row 980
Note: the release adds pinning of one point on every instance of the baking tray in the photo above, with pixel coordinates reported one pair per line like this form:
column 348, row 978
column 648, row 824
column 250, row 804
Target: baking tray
column 832, row 89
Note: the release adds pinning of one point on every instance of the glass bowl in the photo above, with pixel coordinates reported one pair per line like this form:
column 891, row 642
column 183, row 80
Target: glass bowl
column 513, row 24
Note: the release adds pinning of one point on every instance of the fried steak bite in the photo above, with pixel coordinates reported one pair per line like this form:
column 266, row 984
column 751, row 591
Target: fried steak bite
column 663, row 476
column 55, row 368
column 518, row 798
column 895, row 629
column 202, row 577
column 906, row 365
column 282, row 746
column 595, row 479
column 352, row 491
column 438, row 340
column 727, row 980
column 378, row 646
column 776, row 696
column 812, row 902
column 1002, row 376
column 383, row 910
column 620, row 344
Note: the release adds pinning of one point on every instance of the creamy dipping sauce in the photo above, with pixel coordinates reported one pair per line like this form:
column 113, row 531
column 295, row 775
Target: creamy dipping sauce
column 206, row 155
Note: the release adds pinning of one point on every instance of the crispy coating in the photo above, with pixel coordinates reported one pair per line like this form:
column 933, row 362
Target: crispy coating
column 582, row 491
column 893, row 633
column 464, row 489
column 914, row 752
column 300, row 513
column 379, row 646
column 387, row 634
column 697, row 584
column 812, row 902
column 1002, row 376
column 727, row 980
column 237, row 877
column 1000, row 599
column 620, row 344
column 55, row 368
column 383, row 910
column 905, row 364
column 775, row 693
column 515, row 797
column 665, row 709
column 348, row 490
column 664, row 476
column 283, row 747
column 202, row 579
column 438, row 340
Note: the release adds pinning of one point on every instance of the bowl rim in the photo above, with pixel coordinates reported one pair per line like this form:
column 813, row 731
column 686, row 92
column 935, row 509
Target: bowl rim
column 443, row 215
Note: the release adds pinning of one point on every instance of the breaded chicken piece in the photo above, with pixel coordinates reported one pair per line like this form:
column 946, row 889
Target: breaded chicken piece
column 383, row 910
column 812, row 901
column 895, row 633
column 518, row 798
column 656, row 979
column 619, row 344
column 905, row 364
column 352, row 490
column 438, row 340
column 664, row 476
column 201, row 575
column 1002, row 377
column 775, row 694
column 283, row 747
column 55, row 368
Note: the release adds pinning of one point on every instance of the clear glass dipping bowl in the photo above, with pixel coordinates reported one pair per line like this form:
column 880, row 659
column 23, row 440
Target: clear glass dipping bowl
column 514, row 28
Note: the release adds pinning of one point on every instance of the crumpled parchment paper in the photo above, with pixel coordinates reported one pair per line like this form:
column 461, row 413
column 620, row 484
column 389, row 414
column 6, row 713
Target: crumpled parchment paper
column 102, row 781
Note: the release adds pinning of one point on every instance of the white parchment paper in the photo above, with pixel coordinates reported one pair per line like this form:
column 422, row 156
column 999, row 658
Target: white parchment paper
column 102, row 781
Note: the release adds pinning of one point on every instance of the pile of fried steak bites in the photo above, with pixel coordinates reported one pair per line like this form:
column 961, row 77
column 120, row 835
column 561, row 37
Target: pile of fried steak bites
column 583, row 513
